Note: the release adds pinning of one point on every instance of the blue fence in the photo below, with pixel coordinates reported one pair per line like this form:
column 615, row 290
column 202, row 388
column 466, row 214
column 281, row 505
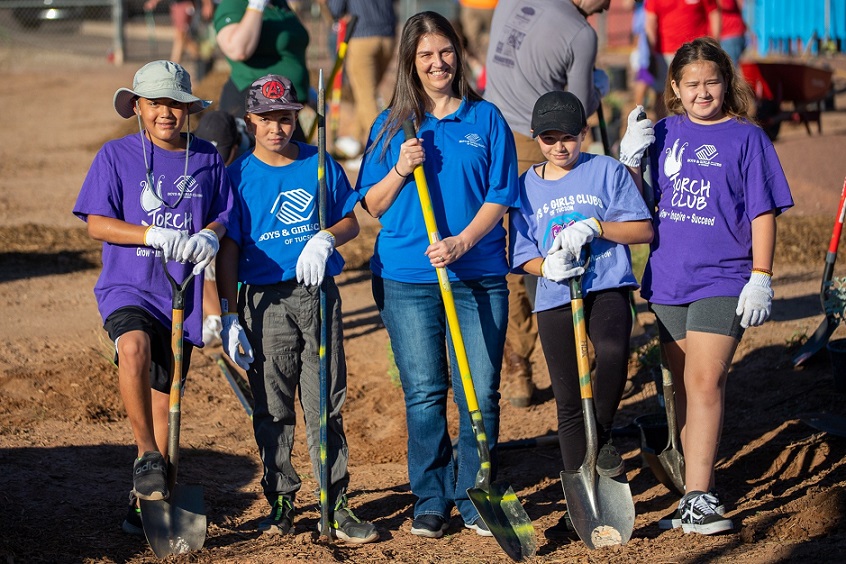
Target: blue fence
column 789, row 26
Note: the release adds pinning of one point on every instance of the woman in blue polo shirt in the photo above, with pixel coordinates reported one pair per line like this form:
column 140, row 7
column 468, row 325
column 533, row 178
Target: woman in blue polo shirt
column 468, row 155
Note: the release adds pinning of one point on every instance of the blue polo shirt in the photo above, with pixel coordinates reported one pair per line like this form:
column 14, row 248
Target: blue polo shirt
column 276, row 213
column 470, row 160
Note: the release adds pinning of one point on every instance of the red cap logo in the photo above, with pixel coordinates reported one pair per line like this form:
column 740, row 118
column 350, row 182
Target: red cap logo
column 273, row 90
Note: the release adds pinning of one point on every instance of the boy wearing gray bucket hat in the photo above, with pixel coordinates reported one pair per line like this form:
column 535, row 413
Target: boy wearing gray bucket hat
column 157, row 193
column 276, row 248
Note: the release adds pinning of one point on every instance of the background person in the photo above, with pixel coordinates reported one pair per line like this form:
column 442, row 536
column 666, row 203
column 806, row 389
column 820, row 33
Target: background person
column 537, row 46
column 181, row 14
column 260, row 37
column 670, row 24
column 370, row 52
column 733, row 29
column 468, row 156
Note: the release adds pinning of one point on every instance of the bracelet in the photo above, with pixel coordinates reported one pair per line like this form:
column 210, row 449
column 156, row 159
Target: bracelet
column 763, row 271
column 398, row 172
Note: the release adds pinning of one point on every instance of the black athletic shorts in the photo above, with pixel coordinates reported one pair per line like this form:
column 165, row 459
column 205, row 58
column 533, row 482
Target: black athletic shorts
column 161, row 356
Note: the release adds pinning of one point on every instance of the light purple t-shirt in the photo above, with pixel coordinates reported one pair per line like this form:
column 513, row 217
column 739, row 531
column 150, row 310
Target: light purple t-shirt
column 117, row 187
column 710, row 181
column 598, row 186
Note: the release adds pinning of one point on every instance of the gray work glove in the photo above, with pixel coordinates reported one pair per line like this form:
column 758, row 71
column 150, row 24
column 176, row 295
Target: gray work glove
column 233, row 335
column 756, row 301
column 201, row 249
column 639, row 136
column 311, row 265
column 170, row 242
column 560, row 266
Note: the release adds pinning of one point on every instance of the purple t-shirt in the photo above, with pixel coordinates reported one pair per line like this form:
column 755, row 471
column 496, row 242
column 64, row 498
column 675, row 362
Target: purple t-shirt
column 117, row 187
column 598, row 186
column 710, row 182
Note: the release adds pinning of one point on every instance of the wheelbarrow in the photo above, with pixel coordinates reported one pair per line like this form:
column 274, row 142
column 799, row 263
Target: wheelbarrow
column 804, row 87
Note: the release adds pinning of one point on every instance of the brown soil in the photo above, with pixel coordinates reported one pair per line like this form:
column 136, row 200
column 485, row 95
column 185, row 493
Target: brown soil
column 65, row 444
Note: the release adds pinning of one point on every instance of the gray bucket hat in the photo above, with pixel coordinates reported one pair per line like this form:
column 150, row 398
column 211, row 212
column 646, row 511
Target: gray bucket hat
column 159, row 79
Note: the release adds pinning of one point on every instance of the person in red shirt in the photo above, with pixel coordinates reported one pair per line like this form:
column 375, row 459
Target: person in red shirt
column 733, row 29
column 669, row 25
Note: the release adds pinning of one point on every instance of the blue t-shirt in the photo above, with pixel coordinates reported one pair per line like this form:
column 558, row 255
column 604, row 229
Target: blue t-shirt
column 470, row 161
column 710, row 182
column 598, row 186
column 116, row 187
column 276, row 212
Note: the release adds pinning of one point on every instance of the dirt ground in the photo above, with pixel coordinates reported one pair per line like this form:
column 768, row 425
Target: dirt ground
column 65, row 444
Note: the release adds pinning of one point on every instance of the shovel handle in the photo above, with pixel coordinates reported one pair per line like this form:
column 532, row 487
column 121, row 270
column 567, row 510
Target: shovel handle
column 483, row 478
column 177, row 332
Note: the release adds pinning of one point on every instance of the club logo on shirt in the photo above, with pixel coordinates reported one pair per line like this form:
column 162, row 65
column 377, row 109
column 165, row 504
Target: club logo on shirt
column 293, row 206
column 474, row 140
column 705, row 156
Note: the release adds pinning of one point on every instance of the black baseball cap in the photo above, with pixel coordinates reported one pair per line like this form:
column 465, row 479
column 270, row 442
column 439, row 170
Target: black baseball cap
column 220, row 129
column 558, row 111
column 270, row 93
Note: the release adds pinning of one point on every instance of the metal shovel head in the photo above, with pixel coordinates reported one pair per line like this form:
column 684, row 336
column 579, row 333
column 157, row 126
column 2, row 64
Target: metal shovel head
column 826, row 422
column 504, row 515
column 177, row 524
column 601, row 508
column 668, row 464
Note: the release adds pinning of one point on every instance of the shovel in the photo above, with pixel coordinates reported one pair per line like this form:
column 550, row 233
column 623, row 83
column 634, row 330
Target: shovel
column 177, row 524
column 496, row 502
column 601, row 508
column 668, row 466
column 823, row 333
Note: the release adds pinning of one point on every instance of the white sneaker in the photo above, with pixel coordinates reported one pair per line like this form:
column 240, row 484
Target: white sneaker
column 212, row 327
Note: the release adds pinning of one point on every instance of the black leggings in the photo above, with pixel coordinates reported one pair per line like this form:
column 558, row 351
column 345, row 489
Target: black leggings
column 608, row 317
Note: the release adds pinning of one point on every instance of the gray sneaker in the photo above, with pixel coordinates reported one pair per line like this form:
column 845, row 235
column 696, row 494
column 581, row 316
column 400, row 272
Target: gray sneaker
column 349, row 528
column 281, row 517
column 609, row 463
column 149, row 477
column 699, row 515
column 673, row 520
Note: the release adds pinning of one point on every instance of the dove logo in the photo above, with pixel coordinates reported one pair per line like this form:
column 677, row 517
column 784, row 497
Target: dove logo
column 673, row 163
column 293, row 206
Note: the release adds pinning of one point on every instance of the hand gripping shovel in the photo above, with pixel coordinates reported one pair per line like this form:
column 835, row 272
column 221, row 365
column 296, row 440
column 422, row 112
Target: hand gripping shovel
column 177, row 524
column 601, row 508
column 821, row 336
column 668, row 466
column 496, row 503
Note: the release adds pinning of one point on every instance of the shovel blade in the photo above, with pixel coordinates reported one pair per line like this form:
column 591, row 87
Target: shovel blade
column 502, row 512
column 175, row 525
column 601, row 509
column 672, row 461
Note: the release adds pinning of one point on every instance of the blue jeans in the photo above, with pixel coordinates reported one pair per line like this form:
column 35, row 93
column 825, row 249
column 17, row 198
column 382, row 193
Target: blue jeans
column 415, row 318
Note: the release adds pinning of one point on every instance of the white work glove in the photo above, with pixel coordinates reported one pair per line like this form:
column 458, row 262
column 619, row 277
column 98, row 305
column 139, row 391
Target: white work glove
column 756, row 301
column 170, row 242
column 311, row 266
column 560, row 266
column 575, row 236
column 258, row 5
column 601, row 82
column 639, row 136
column 201, row 249
column 233, row 335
